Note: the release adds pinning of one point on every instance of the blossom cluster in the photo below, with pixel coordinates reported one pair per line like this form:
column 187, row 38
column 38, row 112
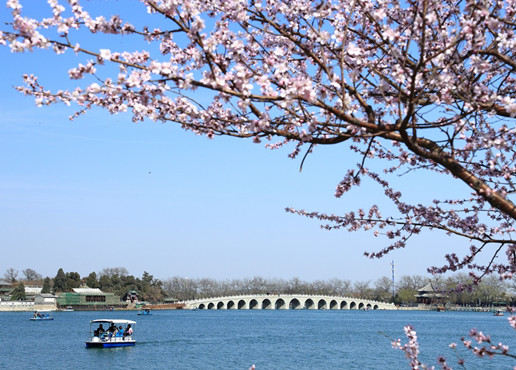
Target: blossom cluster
column 485, row 349
column 411, row 348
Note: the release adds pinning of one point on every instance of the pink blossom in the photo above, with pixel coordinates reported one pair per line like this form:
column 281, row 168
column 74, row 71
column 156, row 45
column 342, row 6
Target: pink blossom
column 105, row 54
column 14, row 4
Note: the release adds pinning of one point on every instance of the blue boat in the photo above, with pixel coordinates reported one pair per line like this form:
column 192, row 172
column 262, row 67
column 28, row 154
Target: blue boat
column 42, row 316
column 145, row 311
column 117, row 333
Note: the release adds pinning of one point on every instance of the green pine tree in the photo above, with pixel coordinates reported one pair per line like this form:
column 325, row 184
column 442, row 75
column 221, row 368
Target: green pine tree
column 18, row 293
column 46, row 286
column 92, row 281
column 60, row 281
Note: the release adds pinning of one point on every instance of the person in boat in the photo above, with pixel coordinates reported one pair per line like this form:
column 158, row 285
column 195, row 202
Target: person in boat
column 128, row 331
column 112, row 331
column 112, row 328
column 120, row 331
column 101, row 330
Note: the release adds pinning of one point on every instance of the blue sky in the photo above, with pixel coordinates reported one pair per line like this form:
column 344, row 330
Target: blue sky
column 102, row 191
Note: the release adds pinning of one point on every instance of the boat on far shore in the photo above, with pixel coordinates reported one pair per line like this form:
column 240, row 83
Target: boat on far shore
column 497, row 313
column 145, row 311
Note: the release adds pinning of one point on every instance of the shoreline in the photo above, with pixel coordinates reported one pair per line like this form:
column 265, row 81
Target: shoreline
column 16, row 306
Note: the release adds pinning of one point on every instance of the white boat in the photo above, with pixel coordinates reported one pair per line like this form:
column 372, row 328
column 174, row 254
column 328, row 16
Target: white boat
column 104, row 337
column 42, row 315
column 498, row 313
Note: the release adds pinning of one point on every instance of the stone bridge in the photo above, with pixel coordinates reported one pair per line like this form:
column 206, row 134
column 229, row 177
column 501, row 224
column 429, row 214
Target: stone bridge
column 286, row 302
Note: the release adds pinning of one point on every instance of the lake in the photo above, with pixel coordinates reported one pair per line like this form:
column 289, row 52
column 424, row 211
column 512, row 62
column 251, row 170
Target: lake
column 237, row 339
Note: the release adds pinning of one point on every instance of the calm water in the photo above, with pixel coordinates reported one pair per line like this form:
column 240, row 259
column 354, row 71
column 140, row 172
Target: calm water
column 237, row 339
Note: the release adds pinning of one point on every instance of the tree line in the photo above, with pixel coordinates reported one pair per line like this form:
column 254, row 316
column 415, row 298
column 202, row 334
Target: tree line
column 457, row 289
column 115, row 280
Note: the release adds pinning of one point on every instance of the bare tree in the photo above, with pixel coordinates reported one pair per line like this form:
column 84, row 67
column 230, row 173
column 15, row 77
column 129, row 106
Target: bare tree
column 362, row 289
column 414, row 282
column 11, row 275
column 31, row 275
column 383, row 289
column 113, row 271
column 340, row 287
column 207, row 287
column 491, row 291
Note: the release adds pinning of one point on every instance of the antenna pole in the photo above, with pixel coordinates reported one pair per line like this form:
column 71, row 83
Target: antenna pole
column 392, row 264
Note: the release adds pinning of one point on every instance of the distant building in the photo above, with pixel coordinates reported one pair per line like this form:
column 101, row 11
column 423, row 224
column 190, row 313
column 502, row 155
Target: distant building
column 429, row 295
column 45, row 298
column 170, row 300
column 32, row 291
column 88, row 299
column 5, row 289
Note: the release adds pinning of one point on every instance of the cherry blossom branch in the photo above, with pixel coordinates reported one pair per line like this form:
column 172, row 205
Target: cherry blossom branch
column 426, row 85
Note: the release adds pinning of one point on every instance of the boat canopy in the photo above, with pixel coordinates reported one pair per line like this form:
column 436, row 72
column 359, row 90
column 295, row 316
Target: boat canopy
column 113, row 321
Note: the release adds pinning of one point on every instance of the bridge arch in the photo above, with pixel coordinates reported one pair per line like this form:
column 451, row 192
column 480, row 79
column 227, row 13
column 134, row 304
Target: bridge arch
column 294, row 304
column 343, row 305
column 266, row 304
column 361, row 305
column 241, row 305
column 353, row 306
column 322, row 305
column 220, row 306
column 231, row 305
column 253, row 305
column 309, row 304
column 334, row 305
column 202, row 306
column 211, row 305
column 279, row 304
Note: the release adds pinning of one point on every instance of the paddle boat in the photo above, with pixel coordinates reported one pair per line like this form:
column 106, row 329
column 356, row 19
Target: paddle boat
column 145, row 311
column 498, row 313
column 41, row 315
column 116, row 333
